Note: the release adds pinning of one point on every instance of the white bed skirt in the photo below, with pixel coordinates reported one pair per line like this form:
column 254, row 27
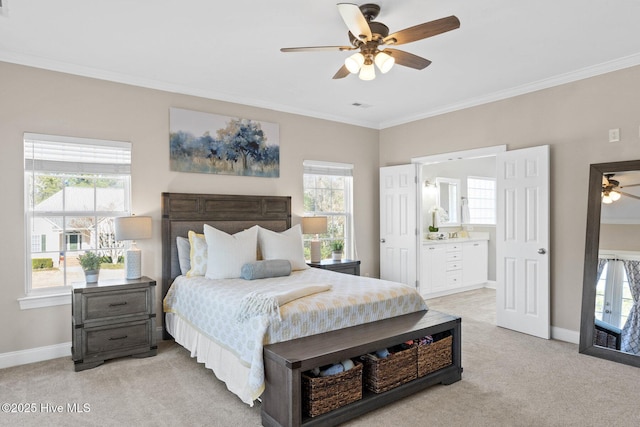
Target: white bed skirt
column 224, row 364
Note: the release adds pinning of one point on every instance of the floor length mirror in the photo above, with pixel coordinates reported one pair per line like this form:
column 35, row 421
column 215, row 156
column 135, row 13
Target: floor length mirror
column 610, row 325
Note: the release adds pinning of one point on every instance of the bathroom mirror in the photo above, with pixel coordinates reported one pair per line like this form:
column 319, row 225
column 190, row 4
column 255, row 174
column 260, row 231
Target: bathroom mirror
column 597, row 337
column 448, row 197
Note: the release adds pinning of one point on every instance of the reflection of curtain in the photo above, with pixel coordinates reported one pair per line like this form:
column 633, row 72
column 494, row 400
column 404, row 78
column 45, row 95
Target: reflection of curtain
column 631, row 331
column 601, row 263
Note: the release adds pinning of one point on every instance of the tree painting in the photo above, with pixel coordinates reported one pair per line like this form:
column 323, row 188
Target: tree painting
column 210, row 143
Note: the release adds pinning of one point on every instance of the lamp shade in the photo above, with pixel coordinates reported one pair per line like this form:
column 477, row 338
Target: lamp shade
column 314, row 224
column 133, row 227
column 354, row 62
column 384, row 61
column 367, row 72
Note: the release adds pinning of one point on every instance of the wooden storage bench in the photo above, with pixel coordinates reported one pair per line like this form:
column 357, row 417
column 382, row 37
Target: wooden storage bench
column 285, row 362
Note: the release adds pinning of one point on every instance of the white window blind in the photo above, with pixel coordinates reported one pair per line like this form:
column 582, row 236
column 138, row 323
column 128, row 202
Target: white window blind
column 53, row 153
column 327, row 168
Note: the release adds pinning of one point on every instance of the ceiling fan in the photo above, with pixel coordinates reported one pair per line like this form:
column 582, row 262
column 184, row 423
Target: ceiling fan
column 611, row 189
column 371, row 38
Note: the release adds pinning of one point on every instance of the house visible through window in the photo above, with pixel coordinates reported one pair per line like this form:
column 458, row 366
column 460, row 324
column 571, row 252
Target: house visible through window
column 74, row 188
column 481, row 195
column 328, row 191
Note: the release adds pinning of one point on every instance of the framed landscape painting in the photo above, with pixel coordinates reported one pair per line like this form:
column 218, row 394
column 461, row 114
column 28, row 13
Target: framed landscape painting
column 211, row 143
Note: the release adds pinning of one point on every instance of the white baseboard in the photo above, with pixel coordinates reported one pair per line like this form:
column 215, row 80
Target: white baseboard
column 491, row 284
column 32, row 355
column 39, row 354
column 566, row 335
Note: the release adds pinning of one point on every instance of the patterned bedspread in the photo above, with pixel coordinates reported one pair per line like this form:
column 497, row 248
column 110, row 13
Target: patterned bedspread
column 211, row 306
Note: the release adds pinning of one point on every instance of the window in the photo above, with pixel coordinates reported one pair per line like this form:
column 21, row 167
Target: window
column 328, row 189
column 613, row 295
column 481, row 198
column 74, row 188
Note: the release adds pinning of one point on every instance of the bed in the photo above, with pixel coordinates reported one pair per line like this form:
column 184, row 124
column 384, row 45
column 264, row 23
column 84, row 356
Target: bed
column 200, row 311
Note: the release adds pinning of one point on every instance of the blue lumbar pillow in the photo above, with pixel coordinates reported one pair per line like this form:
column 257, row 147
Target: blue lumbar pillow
column 265, row 269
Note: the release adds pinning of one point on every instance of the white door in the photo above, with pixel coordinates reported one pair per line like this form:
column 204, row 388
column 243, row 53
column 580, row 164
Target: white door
column 522, row 246
column 398, row 223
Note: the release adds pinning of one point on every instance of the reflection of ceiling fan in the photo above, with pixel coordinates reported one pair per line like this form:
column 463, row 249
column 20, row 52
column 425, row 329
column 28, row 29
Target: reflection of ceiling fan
column 369, row 36
column 611, row 189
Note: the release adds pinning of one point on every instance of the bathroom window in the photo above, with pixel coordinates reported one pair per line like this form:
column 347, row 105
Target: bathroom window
column 481, row 200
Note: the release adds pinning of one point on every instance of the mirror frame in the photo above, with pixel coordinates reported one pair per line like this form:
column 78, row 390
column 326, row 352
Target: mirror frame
column 592, row 245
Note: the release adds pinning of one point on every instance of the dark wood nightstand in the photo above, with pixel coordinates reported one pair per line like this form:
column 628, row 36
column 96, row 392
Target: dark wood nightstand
column 113, row 318
column 346, row 266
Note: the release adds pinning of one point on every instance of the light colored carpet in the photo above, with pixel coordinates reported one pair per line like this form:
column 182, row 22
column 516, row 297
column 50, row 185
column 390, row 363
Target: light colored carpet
column 509, row 379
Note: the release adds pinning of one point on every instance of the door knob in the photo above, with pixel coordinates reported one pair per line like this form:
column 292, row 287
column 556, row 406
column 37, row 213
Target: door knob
column 382, row 240
column 541, row 251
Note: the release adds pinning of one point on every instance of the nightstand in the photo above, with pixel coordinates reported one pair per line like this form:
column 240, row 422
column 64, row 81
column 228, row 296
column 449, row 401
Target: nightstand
column 346, row 266
column 113, row 318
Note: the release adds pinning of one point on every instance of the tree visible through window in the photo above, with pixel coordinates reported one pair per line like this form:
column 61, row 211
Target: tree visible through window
column 74, row 188
column 328, row 191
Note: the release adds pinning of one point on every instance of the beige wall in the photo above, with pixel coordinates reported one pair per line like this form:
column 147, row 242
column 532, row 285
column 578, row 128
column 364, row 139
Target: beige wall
column 33, row 100
column 620, row 237
column 574, row 120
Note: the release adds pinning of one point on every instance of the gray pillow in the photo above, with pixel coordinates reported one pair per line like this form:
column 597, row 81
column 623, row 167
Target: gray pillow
column 184, row 254
column 265, row 269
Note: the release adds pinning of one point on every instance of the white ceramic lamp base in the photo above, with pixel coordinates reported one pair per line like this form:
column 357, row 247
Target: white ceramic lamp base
column 316, row 256
column 133, row 263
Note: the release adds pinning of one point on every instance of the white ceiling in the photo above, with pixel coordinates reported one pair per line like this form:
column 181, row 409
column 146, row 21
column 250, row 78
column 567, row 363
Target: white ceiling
column 625, row 210
column 230, row 50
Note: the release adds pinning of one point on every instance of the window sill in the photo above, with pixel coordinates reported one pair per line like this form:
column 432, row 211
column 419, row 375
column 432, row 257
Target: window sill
column 45, row 300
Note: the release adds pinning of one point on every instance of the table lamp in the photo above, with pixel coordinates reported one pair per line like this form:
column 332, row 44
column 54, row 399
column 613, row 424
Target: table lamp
column 314, row 225
column 133, row 228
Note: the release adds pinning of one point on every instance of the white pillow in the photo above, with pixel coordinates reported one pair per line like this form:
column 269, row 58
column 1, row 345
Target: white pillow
column 197, row 255
column 227, row 254
column 286, row 245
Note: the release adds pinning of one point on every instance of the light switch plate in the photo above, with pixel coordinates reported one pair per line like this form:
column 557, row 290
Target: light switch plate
column 614, row 135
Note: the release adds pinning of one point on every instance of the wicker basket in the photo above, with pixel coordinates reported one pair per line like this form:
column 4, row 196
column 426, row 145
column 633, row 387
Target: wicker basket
column 434, row 356
column 396, row 369
column 324, row 394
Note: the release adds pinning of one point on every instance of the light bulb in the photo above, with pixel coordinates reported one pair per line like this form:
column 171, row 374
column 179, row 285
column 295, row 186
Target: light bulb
column 606, row 199
column 354, row 62
column 614, row 195
column 384, row 62
column 367, row 72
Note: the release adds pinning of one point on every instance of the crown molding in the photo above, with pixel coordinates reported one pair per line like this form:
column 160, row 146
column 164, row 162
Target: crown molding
column 69, row 68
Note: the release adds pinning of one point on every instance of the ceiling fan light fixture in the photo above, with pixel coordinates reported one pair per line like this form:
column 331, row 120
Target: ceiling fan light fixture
column 614, row 195
column 354, row 62
column 367, row 72
column 384, row 61
column 606, row 199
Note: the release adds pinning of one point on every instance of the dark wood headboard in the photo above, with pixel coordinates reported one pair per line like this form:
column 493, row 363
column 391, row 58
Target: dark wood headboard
column 182, row 212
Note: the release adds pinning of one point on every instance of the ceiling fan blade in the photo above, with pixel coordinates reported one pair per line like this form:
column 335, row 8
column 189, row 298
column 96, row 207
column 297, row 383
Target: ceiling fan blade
column 629, row 185
column 629, row 195
column 342, row 73
column 408, row 59
column 317, row 49
column 355, row 20
column 422, row 31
